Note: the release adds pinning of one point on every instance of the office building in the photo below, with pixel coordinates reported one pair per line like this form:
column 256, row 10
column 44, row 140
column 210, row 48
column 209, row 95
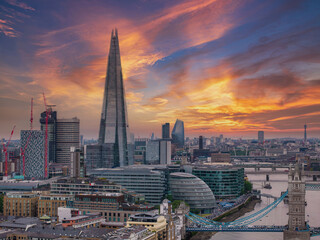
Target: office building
column 99, row 201
column 67, row 136
column 224, row 181
column 99, row 156
column 158, row 152
column 178, row 134
column 261, row 137
column 48, row 204
column 20, row 204
column 165, row 151
column 34, row 154
column 114, row 126
column 140, row 145
column 52, row 129
column 152, row 152
column 142, row 180
column 305, row 133
column 192, row 190
column 71, row 186
column 77, row 166
column 166, row 131
column 220, row 157
column 200, row 142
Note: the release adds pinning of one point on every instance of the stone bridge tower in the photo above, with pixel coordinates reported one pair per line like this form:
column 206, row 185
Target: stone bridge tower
column 297, row 227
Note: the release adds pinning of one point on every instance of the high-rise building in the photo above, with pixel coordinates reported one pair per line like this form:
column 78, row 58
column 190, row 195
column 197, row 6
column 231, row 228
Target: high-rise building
column 260, row 137
column 158, row 152
column 77, row 167
column 165, row 151
column 200, row 142
column 166, row 131
column 34, row 154
column 305, row 133
column 52, row 127
column 114, row 126
column 152, row 152
column 178, row 133
column 68, row 135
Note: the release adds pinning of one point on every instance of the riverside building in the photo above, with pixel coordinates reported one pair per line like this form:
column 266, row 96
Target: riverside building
column 224, row 182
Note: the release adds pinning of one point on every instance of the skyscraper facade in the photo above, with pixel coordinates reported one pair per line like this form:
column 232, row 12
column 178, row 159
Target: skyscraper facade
column 305, row 133
column 166, row 131
column 34, row 154
column 200, row 142
column 52, row 127
column 77, row 167
column 67, row 136
column 178, row 134
column 260, row 137
column 114, row 127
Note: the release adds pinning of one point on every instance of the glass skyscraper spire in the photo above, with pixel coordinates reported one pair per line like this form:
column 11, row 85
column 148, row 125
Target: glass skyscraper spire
column 114, row 127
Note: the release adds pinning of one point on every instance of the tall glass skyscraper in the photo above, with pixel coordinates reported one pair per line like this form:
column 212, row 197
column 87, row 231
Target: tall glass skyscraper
column 178, row 134
column 166, row 131
column 114, row 127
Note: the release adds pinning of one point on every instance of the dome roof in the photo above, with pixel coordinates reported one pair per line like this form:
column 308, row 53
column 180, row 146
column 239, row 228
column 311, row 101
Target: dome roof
column 191, row 189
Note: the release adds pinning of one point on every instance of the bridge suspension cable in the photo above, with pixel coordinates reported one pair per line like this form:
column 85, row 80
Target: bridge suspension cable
column 240, row 222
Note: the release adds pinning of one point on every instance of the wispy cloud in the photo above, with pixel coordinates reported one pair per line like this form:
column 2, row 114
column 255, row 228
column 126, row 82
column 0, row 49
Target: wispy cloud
column 10, row 17
column 20, row 4
column 220, row 65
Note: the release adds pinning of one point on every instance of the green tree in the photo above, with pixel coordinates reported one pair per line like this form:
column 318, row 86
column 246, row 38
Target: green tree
column 176, row 203
column 247, row 186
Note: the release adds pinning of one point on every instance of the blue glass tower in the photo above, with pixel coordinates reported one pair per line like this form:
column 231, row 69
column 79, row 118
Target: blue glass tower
column 178, row 134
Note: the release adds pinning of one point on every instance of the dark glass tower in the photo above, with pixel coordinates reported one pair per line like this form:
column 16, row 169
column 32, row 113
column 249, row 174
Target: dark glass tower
column 178, row 134
column 114, row 128
column 166, row 131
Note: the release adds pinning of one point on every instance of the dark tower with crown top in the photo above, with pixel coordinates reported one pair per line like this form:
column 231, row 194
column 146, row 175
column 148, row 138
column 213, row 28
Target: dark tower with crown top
column 114, row 128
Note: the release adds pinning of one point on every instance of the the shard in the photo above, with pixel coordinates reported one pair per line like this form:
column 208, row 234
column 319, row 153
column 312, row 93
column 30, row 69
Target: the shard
column 114, row 128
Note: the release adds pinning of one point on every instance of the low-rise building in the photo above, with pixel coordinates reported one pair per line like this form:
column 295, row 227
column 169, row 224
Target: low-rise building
column 49, row 204
column 220, row 157
column 72, row 186
column 20, row 204
column 89, row 220
column 132, row 233
column 99, row 201
column 151, row 220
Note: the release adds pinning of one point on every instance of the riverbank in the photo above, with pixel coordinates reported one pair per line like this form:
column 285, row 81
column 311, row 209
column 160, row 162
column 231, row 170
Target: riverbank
column 228, row 217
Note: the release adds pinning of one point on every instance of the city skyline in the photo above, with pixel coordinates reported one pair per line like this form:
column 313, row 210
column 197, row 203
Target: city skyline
column 219, row 66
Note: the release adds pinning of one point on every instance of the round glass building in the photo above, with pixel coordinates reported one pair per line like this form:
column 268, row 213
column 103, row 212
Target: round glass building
column 192, row 190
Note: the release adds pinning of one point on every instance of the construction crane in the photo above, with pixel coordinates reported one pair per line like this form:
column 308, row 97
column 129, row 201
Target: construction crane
column 46, row 139
column 23, row 150
column 31, row 118
column 5, row 150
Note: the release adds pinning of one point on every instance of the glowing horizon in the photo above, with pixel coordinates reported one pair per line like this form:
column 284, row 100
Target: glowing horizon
column 223, row 67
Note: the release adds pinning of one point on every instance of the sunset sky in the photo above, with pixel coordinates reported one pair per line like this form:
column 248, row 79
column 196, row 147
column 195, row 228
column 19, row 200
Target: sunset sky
column 229, row 67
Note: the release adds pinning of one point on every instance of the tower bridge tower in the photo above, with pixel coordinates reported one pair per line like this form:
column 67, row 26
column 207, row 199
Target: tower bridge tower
column 297, row 227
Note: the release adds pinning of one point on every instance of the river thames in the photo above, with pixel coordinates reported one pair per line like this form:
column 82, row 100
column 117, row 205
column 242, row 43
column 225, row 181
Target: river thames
column 278, row 216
